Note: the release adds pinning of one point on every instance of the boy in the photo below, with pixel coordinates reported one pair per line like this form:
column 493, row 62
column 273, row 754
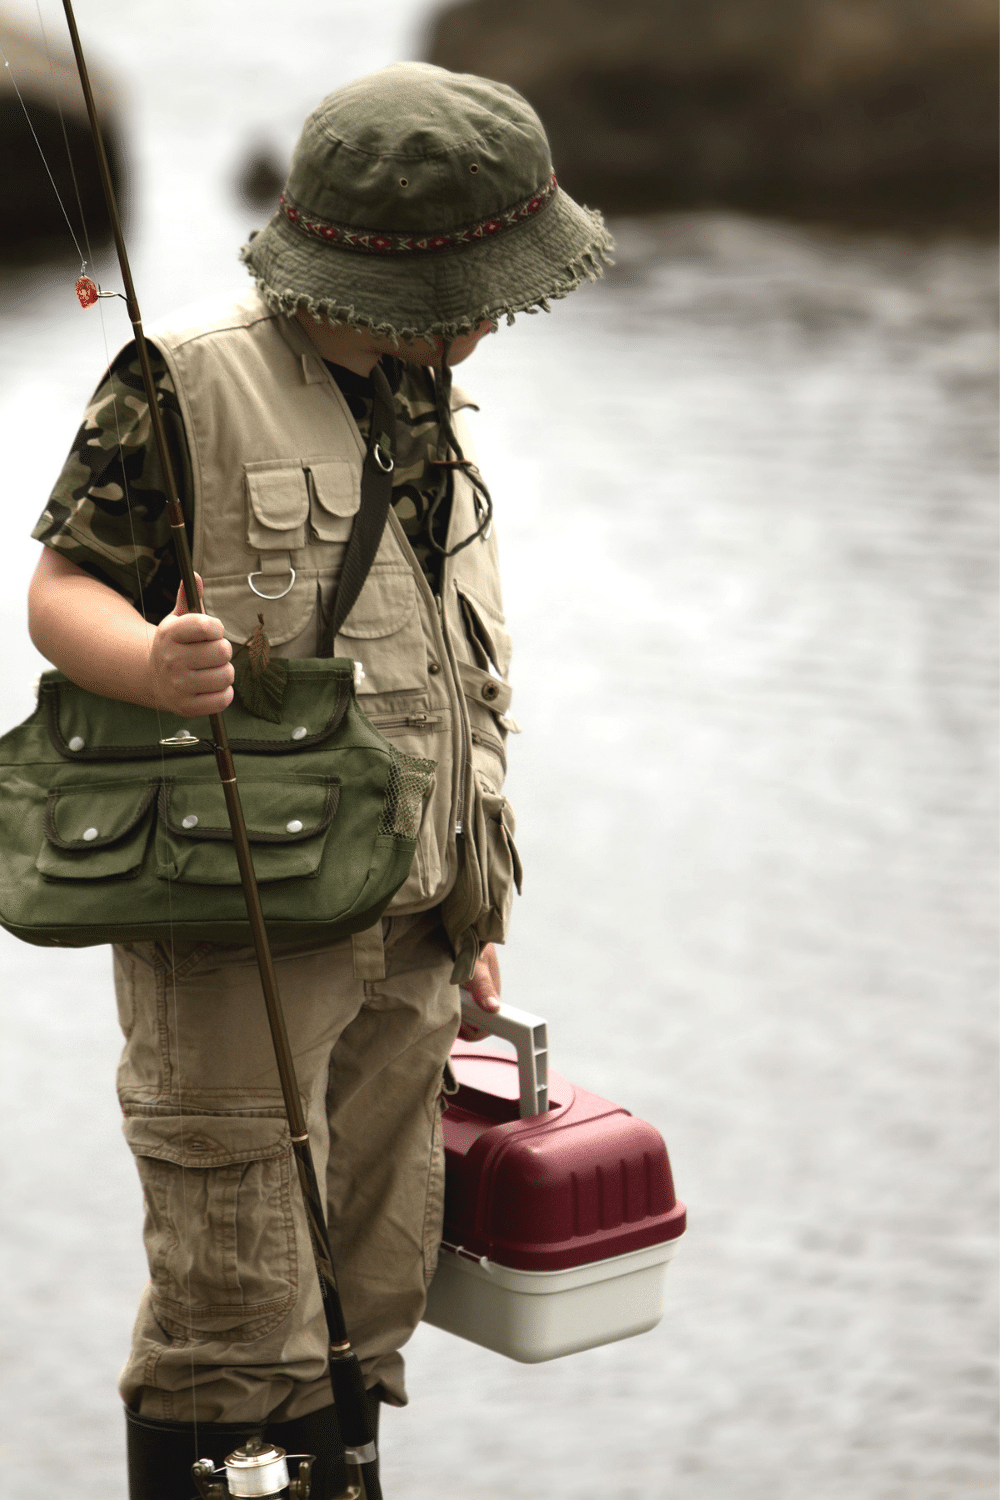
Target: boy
column 420, row 208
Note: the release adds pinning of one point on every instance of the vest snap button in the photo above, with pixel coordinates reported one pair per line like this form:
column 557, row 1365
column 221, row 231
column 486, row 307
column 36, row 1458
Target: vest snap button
column 490, row 690
column 191, row 821
column 433, row 667
column 77, row 742
column 90, row 834
column 300, row 733
column 295, row 826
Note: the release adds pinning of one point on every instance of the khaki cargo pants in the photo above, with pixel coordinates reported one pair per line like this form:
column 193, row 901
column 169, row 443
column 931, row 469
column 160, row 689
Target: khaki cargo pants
column 230, row 1327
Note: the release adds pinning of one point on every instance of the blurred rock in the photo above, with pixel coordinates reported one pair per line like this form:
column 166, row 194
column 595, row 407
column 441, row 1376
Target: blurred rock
column 32, row 225
column 870, row 111
column 261, row 179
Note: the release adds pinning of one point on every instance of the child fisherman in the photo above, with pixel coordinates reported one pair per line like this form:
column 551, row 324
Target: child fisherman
column 421, row 208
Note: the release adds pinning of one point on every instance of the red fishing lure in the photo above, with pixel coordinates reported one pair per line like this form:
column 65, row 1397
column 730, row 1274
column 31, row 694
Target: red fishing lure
column 86, row 290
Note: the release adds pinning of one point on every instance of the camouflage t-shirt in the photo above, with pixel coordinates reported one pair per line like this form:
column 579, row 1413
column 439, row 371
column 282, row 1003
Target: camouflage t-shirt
column 107, row 512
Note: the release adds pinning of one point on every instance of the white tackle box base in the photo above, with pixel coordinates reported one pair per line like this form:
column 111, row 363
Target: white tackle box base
column 532, row 1316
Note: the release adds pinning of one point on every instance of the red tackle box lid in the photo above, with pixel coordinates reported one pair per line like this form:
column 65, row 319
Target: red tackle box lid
column 581, row 1183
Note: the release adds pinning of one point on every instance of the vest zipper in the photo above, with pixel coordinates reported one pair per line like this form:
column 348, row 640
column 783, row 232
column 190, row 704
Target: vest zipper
column 463, row 726
column 405, row 721
column 463, row 759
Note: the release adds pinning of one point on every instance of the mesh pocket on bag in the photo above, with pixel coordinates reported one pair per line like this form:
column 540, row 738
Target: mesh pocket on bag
column 410, row 781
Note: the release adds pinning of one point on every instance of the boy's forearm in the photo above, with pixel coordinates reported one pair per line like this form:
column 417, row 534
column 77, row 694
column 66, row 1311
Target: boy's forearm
column 92, row 634
column 100, row 641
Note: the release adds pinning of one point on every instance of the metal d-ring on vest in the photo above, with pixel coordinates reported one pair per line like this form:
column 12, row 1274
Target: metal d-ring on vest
column 344, row 1369
column 259, row 574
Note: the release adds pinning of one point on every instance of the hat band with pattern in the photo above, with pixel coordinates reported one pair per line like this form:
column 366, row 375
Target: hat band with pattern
column 378, row 242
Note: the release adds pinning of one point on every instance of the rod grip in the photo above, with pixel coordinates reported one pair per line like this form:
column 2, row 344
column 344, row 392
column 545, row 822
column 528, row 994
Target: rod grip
column 351, row 1399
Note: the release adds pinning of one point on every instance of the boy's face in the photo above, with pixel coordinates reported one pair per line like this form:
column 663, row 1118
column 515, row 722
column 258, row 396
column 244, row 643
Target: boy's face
column 462, row 346
column 421, row 353
column 359, row 350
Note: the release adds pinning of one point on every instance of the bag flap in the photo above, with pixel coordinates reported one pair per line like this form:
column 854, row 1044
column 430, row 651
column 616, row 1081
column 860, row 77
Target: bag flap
column 317, row 693
column 96, row 816
column 384, row 605
column 84, row 726
column 206, row 1140
column 336, row 484
column 278, row 494
column 276, row 811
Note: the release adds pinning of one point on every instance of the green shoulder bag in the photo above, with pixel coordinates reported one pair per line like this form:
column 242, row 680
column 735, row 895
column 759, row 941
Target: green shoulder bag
column 108, row 835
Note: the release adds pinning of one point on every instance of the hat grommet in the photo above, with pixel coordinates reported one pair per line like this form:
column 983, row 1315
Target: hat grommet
column 474, row 167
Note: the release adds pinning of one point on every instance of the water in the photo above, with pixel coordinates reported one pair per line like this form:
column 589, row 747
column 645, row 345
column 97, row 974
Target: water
column 746, row 501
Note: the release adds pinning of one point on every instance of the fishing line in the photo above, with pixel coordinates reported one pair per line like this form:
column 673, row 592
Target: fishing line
column 343, row 1367
column 20, row 100
column 139, row 586
column 65, row 136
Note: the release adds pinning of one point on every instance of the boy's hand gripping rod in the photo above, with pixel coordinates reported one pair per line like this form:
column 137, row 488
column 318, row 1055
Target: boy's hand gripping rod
column 345, row 1371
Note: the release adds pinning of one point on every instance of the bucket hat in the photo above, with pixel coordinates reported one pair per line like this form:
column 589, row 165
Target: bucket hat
column 421, row 202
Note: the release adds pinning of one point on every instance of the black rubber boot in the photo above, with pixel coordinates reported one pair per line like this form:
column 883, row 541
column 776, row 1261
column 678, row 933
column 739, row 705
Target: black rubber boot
column 160, row 1454
column 319, row 1433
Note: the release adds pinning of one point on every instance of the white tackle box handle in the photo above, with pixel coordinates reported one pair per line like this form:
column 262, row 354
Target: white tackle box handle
column 530, row 1035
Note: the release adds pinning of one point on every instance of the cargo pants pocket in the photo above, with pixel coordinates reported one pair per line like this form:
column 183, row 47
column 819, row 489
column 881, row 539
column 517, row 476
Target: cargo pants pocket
column 219, row 1228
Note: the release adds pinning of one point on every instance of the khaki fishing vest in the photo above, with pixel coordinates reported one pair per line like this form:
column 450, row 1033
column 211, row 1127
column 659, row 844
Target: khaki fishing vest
column 276, row 461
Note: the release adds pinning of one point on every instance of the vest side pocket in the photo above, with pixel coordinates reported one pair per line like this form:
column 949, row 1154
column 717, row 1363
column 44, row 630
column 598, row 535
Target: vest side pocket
column 485, row 629
column 499, row 863
column 384, row 632
column 477, row 909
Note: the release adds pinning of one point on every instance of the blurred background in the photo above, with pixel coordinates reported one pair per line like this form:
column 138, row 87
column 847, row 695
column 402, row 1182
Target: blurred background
column 746, row 497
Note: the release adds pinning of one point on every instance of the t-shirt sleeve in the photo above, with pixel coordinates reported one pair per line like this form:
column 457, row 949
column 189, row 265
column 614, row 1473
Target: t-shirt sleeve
column 107, row 512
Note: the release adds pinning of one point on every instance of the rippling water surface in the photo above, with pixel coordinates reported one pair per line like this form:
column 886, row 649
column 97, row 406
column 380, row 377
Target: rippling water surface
column 745, row 493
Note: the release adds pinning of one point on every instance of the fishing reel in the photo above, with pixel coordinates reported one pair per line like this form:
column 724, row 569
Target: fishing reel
column 258, row 1469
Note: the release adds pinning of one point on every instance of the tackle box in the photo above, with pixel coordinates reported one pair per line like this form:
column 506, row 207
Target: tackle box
column 560, row 1212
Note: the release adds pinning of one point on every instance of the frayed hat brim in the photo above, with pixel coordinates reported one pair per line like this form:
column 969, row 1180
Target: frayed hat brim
column 440, row 293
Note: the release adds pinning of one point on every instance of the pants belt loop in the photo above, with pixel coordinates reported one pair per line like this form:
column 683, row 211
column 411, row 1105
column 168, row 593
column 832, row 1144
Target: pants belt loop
column 368, row 953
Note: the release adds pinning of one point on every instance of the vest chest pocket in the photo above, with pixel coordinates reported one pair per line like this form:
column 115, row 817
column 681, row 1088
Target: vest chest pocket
column 336, row 497
column 277, row 505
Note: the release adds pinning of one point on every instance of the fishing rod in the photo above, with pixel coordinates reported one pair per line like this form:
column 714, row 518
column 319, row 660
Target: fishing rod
column 255, row 1464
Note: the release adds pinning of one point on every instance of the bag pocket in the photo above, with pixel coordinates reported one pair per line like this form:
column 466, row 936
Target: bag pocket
column 219, row 1229
column 287, row 818
column 97, row 832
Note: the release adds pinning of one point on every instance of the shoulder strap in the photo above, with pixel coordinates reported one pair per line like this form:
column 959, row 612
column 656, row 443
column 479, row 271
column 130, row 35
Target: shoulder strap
column 369, row 523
